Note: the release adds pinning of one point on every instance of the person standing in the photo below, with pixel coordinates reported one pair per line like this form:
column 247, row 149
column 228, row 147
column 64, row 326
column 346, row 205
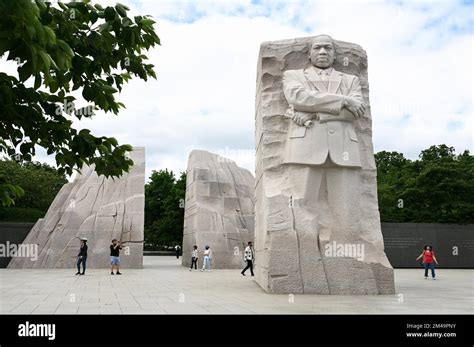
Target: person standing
column 207, row 259
column 115, row 248
column 82, row 257
column 248, row 257
column 178, row 251
column 428, row 260
column 194, row 258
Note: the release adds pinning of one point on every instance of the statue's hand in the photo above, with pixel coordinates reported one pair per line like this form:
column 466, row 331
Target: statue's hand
column 355, row 106
column 303, row 119
column 300, row 118
column 357, row 112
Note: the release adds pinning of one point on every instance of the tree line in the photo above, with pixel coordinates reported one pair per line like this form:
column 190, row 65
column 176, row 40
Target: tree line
column 438, row 187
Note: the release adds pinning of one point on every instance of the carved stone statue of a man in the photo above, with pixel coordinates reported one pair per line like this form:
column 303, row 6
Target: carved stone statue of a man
column 327, row 101
column 323, row 181
column 317, row 223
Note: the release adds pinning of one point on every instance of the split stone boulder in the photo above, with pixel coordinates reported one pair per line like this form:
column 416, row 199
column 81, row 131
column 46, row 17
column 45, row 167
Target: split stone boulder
column 219, row 209
column 97, row 208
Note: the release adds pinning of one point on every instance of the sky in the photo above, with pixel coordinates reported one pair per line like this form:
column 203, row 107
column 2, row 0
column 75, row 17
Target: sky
column 420, row 65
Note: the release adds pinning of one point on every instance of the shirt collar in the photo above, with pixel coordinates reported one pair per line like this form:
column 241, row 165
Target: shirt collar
column 319, row 71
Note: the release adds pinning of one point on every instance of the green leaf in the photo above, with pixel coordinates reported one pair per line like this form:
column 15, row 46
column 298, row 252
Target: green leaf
column 88, row 93
column 109, row 89
column 104, row 27
column 109, row 14
column 64, row 7
column 30, row 29
column 138, row 19
column 50, row 35
column 37, row 81
column 122, row 10
column 147, row 22
column 61, row 61
column 65, row 47
column 25, row 71
column 42, row 6
column 45, row 57
column 34, row 57
column 113, row 141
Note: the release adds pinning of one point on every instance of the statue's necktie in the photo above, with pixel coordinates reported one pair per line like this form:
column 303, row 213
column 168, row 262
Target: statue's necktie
column 325, row 79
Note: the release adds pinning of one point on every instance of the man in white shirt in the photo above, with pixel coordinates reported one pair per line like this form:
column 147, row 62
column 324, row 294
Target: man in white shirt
column 248, row 257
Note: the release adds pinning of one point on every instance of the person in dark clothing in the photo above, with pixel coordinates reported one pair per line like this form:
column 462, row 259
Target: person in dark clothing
column 178, row 251
column 194, row 258
column 248, row 257
column 115, row 248
column 82, row 257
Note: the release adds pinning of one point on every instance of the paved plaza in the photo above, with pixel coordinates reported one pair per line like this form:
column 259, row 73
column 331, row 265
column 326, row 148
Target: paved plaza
column 165, row 287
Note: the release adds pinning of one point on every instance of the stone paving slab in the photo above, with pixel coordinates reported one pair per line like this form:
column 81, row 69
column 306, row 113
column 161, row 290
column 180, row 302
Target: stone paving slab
column 163, row 286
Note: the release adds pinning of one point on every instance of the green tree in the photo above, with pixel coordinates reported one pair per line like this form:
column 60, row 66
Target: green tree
column 40, row 182
column 443, row 191
column 390, row 178
column 437, row 188
column 164, row 209
column 61, row 48
column 438, row 153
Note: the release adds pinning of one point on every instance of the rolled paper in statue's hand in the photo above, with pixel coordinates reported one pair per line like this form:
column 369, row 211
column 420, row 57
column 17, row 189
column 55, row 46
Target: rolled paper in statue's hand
column 290, row 113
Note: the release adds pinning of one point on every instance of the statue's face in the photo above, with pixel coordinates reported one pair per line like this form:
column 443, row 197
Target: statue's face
column 322, row 53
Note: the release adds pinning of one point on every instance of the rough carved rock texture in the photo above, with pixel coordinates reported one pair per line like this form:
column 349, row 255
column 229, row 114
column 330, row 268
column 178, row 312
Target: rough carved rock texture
column 284, row 260
column 219, row 209
column 99, row 209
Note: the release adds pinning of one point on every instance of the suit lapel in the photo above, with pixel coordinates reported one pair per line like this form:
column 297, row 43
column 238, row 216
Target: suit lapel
column 334, row 81
column 314, row 79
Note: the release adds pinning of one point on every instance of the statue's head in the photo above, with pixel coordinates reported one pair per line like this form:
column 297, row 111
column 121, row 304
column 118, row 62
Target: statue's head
column 322, row 51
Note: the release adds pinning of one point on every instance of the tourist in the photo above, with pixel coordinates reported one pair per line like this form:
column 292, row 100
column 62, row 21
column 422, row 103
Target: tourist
column 248, row 257
column 82, row 257
column 207, row 259
column 178, row 249
column 115, row 248
column 194, row 258
column 428, row 260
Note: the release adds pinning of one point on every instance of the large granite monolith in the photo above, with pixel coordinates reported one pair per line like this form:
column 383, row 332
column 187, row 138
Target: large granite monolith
column 219, row 209
column 97, row 208
column 317, row 220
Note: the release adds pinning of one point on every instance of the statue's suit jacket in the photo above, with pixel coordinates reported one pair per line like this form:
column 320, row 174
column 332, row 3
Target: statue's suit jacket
column 332, row 132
